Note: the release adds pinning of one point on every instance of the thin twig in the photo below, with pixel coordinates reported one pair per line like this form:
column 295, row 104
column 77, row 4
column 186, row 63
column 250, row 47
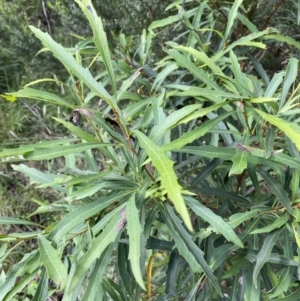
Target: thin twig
column 46, row 16
column 272, row 14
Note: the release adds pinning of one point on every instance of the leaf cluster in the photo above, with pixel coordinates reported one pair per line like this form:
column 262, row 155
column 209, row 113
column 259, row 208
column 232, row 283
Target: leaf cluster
column 194, row 162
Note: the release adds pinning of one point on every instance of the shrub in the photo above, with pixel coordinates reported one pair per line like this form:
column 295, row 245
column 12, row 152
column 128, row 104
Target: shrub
column 194, row 162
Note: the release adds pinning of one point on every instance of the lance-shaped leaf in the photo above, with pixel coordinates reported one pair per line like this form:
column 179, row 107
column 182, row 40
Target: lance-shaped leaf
column 277, row 223
column 264, row 254
column 184, row 62
column 54, row 152
column 98, row 245
column 186, row 246
column 134, row 230
column 42, row 95
column 79, row 215
column 50, row 258
column 37, row 176
column 41, row 292
column 278, row 190
column 290, row 129
column 231, row 17
column 218, row 224
column 71, row 64
column 196, row 133
column 169, row 181
column 99, row 38
column 15, row 221
column 289, row 79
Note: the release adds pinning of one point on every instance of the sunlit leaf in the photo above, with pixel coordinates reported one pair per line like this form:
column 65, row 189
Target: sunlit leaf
column 169, row 181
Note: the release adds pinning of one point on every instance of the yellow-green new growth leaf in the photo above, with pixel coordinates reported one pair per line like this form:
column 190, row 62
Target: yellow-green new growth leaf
column 134, row 230
column 50, row 258
column 290, row 129
column 164, row 166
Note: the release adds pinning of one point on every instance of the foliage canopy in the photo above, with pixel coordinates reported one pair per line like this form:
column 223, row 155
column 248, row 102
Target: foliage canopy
column 193, row 161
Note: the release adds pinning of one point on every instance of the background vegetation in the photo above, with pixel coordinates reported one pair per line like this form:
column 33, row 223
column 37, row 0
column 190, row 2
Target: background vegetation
column 175, row 147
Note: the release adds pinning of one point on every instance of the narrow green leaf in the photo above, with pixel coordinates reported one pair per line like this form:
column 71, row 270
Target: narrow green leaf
column 204, row 112
column 286, row 278
column 255, row 155
column 29, row 263
column 203, row 92
column 295, row 184
column 203, row 58
column 167, row 70
column 231, row 17
column 283, row 38
column 278, row 223
column 37, row 176
column 278, row 190
column 164, row 22
column 236, row 219
column 20, row 285
column 291, row 297
column 51, row 259
column 186, row 63
column 85, row 191
column 263, row 99
column 71, row 64
column 196, row 133
column 15, row 221
column 96, row 277
column 50, row 153
column 98, row 245
column 289, row 79
column 251, row 292
column 218, row 224
column 292, row 130
column 185, row 244
column 270, row 141
column 127, row 84
column 169, row 181
column 77, row 131
column 274, row 84
column 206, row 171
column 264, row 253
column 42, row 95
column 134, row 230
column 173, row 119
column 79, row 215
column 245, row 41
column 99, row 38
column 41, row 292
